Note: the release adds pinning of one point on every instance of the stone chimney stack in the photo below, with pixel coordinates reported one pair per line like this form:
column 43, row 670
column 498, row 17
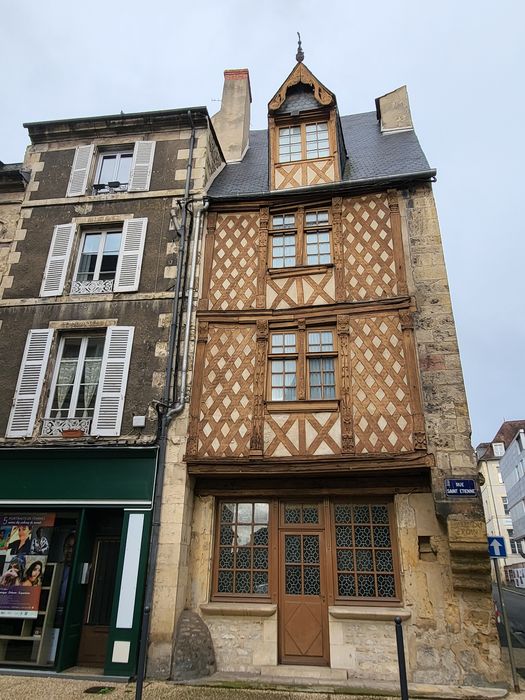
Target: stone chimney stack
column 393, row 111
column 232, row 122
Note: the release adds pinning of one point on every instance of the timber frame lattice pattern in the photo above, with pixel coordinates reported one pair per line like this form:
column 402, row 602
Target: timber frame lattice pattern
column 227, row 392
column 382, row 410
column 233, row 284
column 370, row 268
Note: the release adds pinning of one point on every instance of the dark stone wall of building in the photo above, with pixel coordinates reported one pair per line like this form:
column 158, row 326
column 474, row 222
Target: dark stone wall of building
column 29, row 271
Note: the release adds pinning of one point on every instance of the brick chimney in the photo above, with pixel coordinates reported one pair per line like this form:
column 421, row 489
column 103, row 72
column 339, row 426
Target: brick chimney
column 232, row 122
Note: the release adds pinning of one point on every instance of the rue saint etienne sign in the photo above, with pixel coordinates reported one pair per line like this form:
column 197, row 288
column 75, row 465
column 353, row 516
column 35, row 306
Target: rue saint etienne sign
column 460, row 488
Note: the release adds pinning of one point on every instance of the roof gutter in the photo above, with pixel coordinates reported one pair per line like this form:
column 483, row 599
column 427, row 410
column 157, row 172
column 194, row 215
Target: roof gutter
column 335, row 187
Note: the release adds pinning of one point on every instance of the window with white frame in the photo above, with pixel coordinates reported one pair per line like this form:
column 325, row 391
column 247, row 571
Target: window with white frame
column 88, row 384
column 314, row 359
column 300, row 238
column 505, row 502
column 498, row 448
column 304, row 142
column 75, row 382
column 97, row 261
column 113, row 172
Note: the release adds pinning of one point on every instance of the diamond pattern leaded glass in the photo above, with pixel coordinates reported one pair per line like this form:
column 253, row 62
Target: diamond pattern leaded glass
column 301, row 514
column 364, row 560
column 243, row 549
column 302, row 564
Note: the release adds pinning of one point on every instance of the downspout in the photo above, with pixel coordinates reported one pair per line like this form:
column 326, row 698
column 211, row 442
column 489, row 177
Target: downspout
column 178, row 407
column 173, row 339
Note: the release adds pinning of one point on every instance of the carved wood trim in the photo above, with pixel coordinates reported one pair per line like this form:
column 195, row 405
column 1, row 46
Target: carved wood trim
column 399, row 257
column 192, row 446
column 332, row 131
column 337, row 234
column 407, row 326
column 301, row 74
column 301, row 368
column 209, row 241
column 347, row 428
column 261, row 361
column 264, row 216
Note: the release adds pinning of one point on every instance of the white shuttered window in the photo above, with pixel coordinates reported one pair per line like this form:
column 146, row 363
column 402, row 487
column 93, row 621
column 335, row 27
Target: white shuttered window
column 57, row 260
column 80, row 171
column 113, row 379
column 29, row 385
column 141, row 166
column 129, row 262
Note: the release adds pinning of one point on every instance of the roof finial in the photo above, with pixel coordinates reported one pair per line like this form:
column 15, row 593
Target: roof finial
column 299, row 57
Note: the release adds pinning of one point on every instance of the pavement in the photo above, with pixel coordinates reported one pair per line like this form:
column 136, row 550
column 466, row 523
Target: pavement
column 220, row 687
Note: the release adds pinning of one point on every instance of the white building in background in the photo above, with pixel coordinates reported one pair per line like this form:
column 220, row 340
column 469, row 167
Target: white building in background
column 496, row 499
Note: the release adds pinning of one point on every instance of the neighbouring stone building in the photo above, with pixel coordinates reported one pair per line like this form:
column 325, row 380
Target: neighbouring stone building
column 94, row 254
column 328, row 408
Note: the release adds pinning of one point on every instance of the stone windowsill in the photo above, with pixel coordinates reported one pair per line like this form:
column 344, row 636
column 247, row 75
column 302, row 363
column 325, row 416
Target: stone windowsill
column 344, row 612
column 244, row 609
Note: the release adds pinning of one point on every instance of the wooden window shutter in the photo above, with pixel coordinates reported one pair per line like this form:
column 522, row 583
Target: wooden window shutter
column 109, row 405
column 141, row 166
column 29, row 384
column 80, row 171
column 129, row 262
column 57, row 260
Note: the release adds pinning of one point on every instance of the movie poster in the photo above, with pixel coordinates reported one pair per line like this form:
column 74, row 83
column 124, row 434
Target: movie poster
column 24, row 548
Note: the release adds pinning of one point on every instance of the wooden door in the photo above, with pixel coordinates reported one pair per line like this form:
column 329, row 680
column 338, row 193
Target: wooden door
column 101, row 588
column 303, row 610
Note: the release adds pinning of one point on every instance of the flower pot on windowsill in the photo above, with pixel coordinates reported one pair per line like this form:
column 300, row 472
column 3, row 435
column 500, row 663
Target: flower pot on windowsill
column 73, row 433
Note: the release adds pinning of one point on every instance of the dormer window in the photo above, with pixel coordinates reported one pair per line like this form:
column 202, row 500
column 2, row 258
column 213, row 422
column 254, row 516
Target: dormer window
column 304, row 142
column 498, row 448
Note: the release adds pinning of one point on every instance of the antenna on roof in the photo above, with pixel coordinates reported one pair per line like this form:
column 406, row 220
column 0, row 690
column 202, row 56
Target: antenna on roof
column 299, row 56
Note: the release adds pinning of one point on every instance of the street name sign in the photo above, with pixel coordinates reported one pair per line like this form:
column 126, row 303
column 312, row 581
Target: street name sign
column 497, row 547
column 460, row 488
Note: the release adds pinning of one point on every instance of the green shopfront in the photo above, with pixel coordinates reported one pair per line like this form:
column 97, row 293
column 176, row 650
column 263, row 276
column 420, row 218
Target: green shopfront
column 74, row 536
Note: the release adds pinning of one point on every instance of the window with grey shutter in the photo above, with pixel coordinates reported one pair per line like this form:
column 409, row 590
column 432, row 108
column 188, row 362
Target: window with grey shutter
column 141, row 166
column 113, row 379
column 29, row 384
column 57, row 260
column 129, row 262
column 80, row 171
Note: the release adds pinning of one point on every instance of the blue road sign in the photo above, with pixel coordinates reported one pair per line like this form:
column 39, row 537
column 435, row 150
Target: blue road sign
column 460, row 487
column 497, row 547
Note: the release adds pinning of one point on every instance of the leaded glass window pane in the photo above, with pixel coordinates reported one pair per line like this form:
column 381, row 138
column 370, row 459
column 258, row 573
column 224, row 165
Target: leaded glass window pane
column 243, row 549
column 364, row 558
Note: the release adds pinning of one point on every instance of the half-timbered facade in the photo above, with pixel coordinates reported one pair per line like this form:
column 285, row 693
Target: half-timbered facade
column 328, row 407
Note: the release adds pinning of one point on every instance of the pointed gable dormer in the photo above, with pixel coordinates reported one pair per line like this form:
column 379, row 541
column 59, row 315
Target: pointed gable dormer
column 305, row 138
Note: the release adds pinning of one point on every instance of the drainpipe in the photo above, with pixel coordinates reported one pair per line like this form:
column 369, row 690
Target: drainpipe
column 178, row 407
column 170, row 377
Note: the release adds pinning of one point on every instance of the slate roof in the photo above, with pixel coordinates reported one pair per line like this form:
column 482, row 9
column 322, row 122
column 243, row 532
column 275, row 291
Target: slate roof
column 371, row 156
column 505, row 434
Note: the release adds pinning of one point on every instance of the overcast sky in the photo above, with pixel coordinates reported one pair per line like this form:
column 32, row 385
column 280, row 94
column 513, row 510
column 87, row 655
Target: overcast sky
column 463, row 63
